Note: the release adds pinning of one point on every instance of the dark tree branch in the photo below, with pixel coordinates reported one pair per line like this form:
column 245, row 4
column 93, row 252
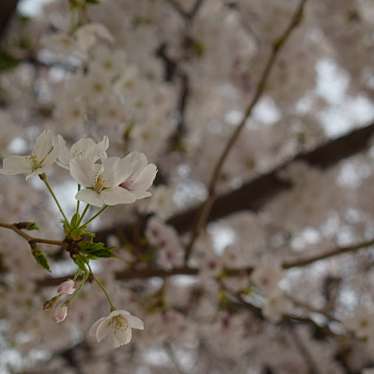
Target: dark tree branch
column 258, row 191
column 7, row 10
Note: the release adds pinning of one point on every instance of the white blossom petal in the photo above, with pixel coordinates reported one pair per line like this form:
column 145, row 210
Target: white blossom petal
column 90, row 197
column 117, row 195
column 84, row 171
column 135, row 322
column 145, row 179
column 44, row 144
column 14, row 165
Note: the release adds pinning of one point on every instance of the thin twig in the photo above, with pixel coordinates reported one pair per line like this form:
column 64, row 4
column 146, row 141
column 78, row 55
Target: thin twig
column 328, row 254
column 30, row 239
column 276, row 48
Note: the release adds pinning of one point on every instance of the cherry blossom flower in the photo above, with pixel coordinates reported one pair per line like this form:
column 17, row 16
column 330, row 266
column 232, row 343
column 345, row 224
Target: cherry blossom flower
column 117, row 326
column 83, row 148
column 43, row 155
column 66, row 288
column 115, row 180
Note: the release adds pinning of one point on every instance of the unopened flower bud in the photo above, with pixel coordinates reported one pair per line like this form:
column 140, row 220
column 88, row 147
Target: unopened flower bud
column 60, row 313
column 66, row 288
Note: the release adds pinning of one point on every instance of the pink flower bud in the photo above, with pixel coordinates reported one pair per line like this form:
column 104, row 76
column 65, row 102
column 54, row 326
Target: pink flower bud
column 60, row 313
column 66, row 288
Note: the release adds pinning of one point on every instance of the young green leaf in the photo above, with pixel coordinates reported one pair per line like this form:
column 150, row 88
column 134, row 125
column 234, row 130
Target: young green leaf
column 40, row 257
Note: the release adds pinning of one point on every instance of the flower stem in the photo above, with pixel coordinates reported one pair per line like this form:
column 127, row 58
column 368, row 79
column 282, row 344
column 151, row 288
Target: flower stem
column 95, row 215
column 83, row 214
column 43, row 177
column 100, row 284
column 78, row 201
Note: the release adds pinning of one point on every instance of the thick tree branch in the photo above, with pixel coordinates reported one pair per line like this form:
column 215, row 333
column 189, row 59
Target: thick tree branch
column 254, row 194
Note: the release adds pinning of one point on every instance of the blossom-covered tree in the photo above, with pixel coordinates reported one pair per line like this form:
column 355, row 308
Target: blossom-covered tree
column 186, row 186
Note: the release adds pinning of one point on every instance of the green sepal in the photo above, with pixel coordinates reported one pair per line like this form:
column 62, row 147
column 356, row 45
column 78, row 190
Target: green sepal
column 75, row 220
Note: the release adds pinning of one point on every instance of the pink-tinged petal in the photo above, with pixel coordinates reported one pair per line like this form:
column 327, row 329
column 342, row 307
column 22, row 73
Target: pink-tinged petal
column 117, row 195
column 135, row 322
column 66, row 288
column 131, row 166
column 90, row 197
column 145, row 179
column 84, row 171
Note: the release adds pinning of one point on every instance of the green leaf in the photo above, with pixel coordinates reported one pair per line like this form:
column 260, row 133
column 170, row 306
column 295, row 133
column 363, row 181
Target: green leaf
column 7, row 61
column 94, row 250
column 40, row 257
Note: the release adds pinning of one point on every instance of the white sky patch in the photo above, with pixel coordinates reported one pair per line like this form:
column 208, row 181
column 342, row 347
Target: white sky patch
column 233, row 117
column 18, row 145
column 352, row 112
column 332, row 82
column 345, row 112
column 351, row 175
column 189, row 192
column 65, row 193
column 305, row 238
column 222, row 236
column 156, row 357
column 32, row 8
column 266, row 112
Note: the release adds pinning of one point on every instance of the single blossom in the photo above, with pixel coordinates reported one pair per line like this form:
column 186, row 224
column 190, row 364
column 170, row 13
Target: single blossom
column 43, row 155
column 60, row 313
column 66, row 288
column 84, row 148
column 114, row 180
column 117, row 326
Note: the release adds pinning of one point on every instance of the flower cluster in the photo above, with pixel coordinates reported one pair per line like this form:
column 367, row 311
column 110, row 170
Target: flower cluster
column 102, row 181
column 106, row 180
